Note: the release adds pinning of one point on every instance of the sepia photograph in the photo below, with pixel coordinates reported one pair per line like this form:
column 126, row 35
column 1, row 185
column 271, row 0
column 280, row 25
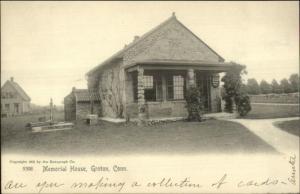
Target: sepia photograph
column 149, row 97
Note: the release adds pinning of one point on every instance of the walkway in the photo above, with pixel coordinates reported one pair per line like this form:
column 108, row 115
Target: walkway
column 275, row 104
column 282, row 141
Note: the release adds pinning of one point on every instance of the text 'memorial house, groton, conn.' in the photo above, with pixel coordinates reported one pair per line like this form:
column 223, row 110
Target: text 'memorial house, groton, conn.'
column 148, row 78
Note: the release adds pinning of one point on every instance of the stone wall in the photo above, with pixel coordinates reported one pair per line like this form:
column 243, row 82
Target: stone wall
column 292, row 98
column 132, row 110
column 70, row 108
column 111, row 86
column 167, row 109
column 159, row 109
column 84, row 108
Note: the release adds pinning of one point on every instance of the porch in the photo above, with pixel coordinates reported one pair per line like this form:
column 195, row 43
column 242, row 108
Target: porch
column 156, row 89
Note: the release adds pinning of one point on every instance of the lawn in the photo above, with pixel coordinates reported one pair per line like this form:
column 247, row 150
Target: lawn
column 260, row 111
column 211, row 136
column 292, row 127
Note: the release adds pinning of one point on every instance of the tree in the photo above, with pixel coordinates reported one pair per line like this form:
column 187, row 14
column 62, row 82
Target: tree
column 276, row 87
column 252, row 86
column 286, row 86
column 294, row 81
column 234, row 90
column 232, row 83
column 265, row 87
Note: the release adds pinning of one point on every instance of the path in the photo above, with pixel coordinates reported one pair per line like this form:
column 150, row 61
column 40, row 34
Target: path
column 282, row 141
column 275, row 104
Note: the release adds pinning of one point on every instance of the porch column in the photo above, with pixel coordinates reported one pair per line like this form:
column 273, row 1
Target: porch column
column 141, row 95
column 190, row 78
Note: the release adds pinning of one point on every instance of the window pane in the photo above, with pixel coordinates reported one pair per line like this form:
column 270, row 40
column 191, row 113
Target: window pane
column 175, row 87
column 150, row 95
column 148, row 81
column 149, row 88
column 178, row 87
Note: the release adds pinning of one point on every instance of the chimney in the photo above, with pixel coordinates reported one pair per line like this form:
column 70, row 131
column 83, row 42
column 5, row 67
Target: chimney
column 12, row 79
column 174, row 14
column 73, row 89
column 136, row 38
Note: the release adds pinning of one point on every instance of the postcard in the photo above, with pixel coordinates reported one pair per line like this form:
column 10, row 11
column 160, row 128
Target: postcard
column 149, row 97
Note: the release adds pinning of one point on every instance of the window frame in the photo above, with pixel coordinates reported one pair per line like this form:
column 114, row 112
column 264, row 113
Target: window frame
column 172, row 86
column 157, row 86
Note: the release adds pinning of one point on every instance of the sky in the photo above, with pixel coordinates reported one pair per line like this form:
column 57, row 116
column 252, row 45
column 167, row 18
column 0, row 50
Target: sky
column 49, row 46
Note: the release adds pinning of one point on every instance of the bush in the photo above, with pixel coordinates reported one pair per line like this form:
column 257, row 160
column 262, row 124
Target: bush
column 242, row 102
column 228, row 103
column 194, row 104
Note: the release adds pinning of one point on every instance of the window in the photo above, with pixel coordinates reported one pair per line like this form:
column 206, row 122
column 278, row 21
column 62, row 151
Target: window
column 152, row 87
column 16, row 107
column 175, row 87
column 8, row 95
column 150, row 90
column 7, row 107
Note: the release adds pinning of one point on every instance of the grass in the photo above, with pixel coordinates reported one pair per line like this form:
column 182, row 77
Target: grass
column 211, row 136
column 260, row 111
column 292, row 127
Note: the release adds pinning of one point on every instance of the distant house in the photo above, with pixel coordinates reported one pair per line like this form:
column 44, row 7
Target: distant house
column 148, row 78
column 81, row 102
column 14, row 100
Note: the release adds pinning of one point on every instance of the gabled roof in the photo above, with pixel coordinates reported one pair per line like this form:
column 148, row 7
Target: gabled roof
column 121, row 52
column 18, row 89
column 84, row 95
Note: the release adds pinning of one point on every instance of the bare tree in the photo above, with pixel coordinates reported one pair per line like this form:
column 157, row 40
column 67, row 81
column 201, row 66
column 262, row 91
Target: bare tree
column 111, row 89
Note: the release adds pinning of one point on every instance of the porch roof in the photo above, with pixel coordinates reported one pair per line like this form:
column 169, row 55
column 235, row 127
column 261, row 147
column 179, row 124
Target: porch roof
column 179, row 65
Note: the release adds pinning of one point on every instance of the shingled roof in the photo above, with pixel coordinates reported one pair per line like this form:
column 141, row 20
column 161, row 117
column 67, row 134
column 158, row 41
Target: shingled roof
column 138, row 40
column 18, row 89
column 84, row 95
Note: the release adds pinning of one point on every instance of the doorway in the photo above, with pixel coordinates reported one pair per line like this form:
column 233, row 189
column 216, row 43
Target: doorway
column 203, row 83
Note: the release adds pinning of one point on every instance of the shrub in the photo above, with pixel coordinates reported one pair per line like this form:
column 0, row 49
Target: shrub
column 235, row 91
column 228, row 103
column 242, row 102
column 194, row 104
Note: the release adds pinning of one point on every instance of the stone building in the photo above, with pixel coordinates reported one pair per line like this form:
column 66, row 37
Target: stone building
column 148, row 78
column 81, row 102
column 14, row 100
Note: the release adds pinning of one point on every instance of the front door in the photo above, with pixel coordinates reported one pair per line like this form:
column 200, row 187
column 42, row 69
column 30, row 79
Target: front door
column 203, row 83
